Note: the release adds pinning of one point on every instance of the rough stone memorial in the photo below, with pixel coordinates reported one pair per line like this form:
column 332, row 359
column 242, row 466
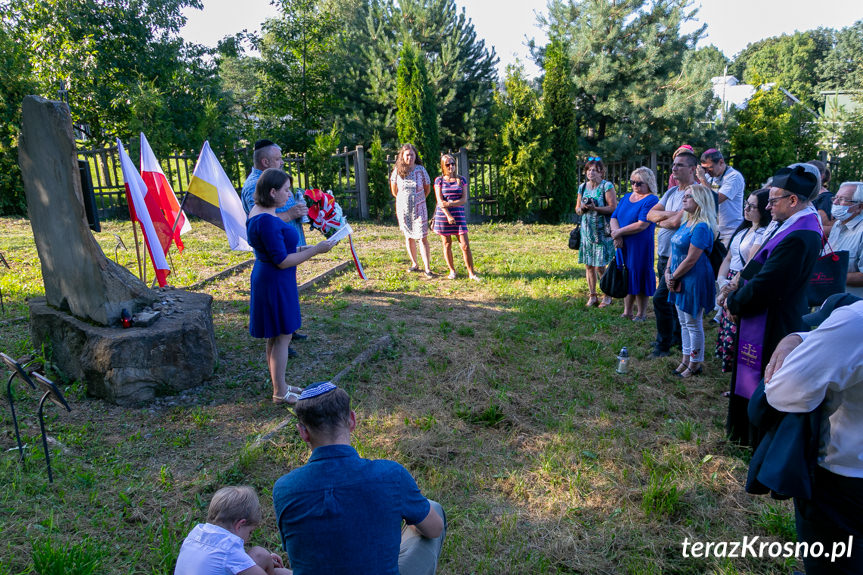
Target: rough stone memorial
column 78, row 320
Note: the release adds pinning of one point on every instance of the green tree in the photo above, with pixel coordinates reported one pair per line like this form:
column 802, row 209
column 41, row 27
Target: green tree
column 768, row 136
column 525, row 151
column 296, row 93
column 558, row 104
column 122, row 66
column 626, row 61
column 790, row 60
column 460, row 68
column 842, row 67
column 14, row 85
column 378, row 179
column 416, row 113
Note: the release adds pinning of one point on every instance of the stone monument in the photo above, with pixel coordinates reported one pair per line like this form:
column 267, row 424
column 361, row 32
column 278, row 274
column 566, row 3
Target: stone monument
column 77, row 322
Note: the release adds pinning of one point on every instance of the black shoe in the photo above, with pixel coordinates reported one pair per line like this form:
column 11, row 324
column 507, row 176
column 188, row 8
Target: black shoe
column 297, row 336
column 292, row 353
column 658, row 353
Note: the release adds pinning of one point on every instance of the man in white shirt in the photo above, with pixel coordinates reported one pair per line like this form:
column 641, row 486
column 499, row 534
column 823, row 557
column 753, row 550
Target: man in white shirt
column 806, row 369
column 729, row 185
column 847, row 232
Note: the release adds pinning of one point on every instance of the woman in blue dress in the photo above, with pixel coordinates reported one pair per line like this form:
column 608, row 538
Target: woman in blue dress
column 631, row 231
column 689, row 275
column 275, row 306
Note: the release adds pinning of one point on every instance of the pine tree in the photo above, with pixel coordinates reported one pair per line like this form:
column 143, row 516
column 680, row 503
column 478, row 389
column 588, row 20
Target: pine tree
column 626, row 59
column 558, row 102
column 524, row 148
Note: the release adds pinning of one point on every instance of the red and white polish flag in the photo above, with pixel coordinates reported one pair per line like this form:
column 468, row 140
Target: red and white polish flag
column 157, row 184
column 144, row 209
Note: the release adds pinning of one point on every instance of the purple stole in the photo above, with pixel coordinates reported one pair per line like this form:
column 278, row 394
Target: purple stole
column 750, row 340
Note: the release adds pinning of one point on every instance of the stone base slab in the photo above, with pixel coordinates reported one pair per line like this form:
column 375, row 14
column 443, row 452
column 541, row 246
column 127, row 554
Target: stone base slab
column 131, row 366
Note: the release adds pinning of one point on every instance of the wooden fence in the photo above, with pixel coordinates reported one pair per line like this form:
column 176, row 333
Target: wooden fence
column 347, row 181
column 348, row 178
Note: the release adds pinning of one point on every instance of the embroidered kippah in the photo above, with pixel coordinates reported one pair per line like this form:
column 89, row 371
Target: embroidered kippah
column 317, row 389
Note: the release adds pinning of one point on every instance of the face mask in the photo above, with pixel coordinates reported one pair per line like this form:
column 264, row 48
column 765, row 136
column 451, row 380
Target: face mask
column 839, row 212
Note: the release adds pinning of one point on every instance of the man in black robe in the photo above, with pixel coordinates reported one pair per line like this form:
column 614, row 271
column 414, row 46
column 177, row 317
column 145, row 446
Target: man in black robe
column 771, row 299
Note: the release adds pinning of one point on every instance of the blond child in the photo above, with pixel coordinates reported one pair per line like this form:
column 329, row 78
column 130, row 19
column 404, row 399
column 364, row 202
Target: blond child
column 217, row 546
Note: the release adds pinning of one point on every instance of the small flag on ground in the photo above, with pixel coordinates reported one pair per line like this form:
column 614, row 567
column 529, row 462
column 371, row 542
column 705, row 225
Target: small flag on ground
column 157, row 184
column 157, row 234
column 212, row 197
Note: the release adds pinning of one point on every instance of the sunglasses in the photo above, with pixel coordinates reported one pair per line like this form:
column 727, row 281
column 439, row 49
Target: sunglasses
column 449, row 164
column 634, row 183
column 687, row 196
column 594, row 159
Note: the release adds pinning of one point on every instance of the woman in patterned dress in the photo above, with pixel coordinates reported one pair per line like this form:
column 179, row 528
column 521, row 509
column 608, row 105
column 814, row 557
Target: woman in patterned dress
column 750, row 234
column 449, row 216
column 410, row 185
column 596, row 202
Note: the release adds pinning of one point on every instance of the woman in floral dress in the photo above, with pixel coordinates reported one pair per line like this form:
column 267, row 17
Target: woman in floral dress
column 596, row 202
column 410, row 185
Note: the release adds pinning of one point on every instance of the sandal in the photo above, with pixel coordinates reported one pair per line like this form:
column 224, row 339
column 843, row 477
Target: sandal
column 627, row 316
column 290, row 398
column 414, row 268
column 677, row 369
column 640, row 318
column 592, row 300
column 689, row 372
column 606, row 301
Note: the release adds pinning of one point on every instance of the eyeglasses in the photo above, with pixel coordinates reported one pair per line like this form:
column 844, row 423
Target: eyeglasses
column 843, row 201
column 635, row 183
column 772, row 201
column 594, row 159
column 687, row 196
column 748, row 207
column 680, row 166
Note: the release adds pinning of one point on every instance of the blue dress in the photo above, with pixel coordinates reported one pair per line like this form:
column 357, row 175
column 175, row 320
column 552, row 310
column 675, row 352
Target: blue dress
column 275, row 305
column 698, row 289
column 638, row 248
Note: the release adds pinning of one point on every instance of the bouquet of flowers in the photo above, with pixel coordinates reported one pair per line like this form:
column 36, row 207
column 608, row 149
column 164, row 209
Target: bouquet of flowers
column 325, row 214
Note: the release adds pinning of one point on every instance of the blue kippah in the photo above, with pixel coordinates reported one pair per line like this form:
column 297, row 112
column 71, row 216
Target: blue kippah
column 317, row 389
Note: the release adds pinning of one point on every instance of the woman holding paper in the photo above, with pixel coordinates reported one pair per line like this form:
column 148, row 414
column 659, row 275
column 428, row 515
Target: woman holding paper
column 275, row 303
column 410, row 186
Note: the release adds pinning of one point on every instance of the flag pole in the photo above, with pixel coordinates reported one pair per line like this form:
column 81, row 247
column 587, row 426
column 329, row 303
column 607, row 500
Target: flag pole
column 137, row 251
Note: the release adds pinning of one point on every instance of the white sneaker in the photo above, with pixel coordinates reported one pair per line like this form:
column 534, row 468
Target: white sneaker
column 451, row 275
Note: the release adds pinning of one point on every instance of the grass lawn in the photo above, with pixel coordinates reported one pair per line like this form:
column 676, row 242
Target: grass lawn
column 500, row 397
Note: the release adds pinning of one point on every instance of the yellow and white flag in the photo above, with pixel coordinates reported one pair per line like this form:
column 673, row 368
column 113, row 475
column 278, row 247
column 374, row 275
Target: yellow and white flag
column 212, row 197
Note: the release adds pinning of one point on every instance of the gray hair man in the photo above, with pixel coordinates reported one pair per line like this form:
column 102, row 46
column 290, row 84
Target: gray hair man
column 847, row 232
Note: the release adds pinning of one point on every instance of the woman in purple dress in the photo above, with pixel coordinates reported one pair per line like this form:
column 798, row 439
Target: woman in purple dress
column 631, row 231
column 275, row 304
column 451, row 192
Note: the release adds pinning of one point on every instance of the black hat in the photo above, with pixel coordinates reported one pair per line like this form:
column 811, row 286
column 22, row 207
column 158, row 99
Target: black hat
column 830, row 304
column 797, row 180
column 264, row 144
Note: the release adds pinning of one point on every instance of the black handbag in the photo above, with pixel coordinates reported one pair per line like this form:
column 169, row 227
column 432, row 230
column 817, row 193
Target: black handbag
column 717, row 256
column 828, row 277
column 615, row 280
column 575, row 237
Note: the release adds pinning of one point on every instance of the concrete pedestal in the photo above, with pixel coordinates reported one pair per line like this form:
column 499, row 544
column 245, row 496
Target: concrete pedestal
column 132, row 366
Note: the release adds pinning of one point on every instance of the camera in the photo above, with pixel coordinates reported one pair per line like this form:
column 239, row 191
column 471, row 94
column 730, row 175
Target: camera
column 588, row 202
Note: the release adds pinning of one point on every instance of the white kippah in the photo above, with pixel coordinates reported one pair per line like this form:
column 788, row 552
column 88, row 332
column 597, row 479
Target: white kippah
column 317, row 389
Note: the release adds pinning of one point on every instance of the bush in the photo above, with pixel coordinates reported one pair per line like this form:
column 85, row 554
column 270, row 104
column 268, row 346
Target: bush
column 378, row 178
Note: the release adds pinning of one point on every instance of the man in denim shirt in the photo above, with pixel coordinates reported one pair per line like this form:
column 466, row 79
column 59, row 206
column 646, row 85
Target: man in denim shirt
column 341, row 514
column 269, row 155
